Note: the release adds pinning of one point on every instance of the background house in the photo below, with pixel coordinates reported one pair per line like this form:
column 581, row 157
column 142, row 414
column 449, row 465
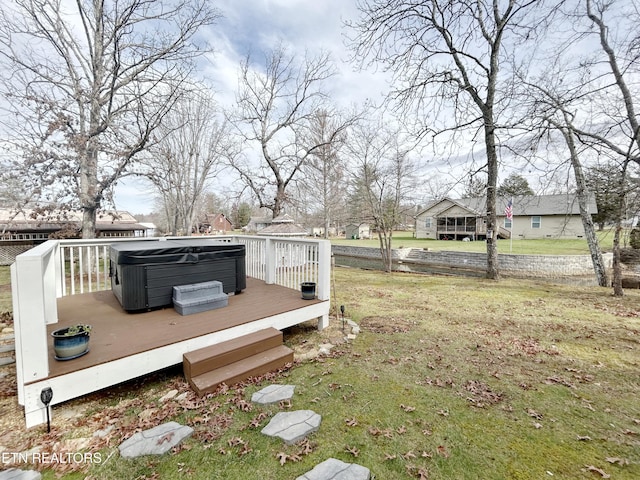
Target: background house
column 536, row 216
column 258, row 223
column 21, row 230
column 357, row 231
column 215, row 223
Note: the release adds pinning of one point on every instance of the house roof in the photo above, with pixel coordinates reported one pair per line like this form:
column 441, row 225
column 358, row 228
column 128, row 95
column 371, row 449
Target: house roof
column 283, row 225
column 29, row 220
column 525, row 205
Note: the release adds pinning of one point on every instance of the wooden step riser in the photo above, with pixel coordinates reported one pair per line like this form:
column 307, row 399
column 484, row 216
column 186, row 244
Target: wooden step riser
column 258, row 364
column 216, row 356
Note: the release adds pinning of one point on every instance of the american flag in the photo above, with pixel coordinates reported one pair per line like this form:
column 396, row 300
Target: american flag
column 508, row 211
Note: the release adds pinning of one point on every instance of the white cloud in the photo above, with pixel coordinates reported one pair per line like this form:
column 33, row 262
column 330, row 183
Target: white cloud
column 254, row 27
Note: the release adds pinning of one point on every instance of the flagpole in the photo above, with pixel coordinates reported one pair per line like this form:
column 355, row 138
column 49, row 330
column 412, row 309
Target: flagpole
column 511, row 232
column 511, row 237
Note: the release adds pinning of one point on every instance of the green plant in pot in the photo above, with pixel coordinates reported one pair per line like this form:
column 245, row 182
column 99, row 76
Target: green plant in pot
column 71, row 342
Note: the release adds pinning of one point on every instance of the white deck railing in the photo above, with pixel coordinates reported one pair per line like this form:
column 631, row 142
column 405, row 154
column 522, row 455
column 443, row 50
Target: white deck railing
column 66, row 267
column 83, row 266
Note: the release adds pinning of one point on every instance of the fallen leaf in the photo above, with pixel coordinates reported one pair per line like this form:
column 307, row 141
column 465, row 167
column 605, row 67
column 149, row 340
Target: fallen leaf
column 351, row 422
column 165, row 438
column 235, row 441
column 407, row 408
column 532, row 413
column 282, row 458
column 442, row 450
column 602, row 473
column 585, row 438
column 409, row 455
column 388, row 456
column 619, row 461
column 352, row 450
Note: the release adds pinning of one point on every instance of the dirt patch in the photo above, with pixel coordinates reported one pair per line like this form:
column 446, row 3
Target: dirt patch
column 305, row 337
column 386, row 325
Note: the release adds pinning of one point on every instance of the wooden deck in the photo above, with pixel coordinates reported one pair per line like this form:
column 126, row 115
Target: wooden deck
column 117, row 334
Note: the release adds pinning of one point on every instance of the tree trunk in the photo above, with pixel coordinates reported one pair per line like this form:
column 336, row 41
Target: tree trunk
column 617, row 265
column 385, row 249
column 492, row 181
column 587, row 222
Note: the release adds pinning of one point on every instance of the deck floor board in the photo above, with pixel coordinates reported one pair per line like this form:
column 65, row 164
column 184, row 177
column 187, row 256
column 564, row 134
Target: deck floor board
column 117, row 334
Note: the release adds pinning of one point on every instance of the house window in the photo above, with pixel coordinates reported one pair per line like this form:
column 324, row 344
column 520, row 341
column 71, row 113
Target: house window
column 536, row 221
column 508, row 223
column 427, row 222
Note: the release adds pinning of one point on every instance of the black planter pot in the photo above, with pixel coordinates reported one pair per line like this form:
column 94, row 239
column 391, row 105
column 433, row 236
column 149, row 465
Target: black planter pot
column 68, row 346
column 308, row 290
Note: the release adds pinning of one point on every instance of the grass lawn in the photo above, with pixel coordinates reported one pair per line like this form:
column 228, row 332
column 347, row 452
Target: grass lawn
column 449, row 378
column 538, row 247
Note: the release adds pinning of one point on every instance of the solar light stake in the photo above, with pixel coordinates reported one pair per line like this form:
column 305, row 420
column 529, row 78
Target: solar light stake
column 342, row 312
column 45, row 396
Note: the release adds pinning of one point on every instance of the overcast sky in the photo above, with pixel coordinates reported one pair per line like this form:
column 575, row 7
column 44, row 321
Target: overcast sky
column 255, row 26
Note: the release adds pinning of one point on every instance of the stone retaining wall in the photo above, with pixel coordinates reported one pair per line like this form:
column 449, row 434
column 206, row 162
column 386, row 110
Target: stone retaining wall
column 519, row 265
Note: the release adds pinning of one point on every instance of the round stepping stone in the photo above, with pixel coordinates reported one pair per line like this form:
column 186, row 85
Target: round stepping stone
column 155, row 441
column 293, row 426
column 334, row 469
column 273, row 394
column 17, row 474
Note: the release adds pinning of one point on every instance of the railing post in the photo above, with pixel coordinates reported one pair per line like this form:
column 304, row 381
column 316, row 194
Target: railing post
column 324, row 278
column 33, row 285
column 270, row 261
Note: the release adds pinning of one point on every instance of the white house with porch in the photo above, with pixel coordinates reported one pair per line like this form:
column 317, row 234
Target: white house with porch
column 534, row 217
column 65, row 282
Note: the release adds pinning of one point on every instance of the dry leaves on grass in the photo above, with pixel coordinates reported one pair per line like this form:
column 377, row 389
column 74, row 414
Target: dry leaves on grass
column 481, row 394
column 352, row 450
column 303, row 447
column 602, row 473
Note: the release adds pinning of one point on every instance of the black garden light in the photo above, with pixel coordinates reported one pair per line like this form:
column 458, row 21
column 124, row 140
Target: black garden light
column 342, row 313
column 45, row 396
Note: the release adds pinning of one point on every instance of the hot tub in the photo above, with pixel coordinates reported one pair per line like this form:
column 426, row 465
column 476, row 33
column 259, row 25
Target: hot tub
column 143, row 274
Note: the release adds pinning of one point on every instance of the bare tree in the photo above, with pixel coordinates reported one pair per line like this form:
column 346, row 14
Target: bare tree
column 193, row 140
column 550, row 114
column 86, row 84
column 382, row 179
column 592, row 101
column 276, row 108
column 446, row 57
column 324, row 175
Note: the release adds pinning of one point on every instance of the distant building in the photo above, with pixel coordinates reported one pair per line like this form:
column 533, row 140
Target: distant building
column 258, row 223
column 533, row 216
column 356, row 231
column 215, row 223
column 21, row 230
column 284, row 226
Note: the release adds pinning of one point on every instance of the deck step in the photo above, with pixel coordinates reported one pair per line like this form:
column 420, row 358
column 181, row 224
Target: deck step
column 235, row 360
column 235, row 372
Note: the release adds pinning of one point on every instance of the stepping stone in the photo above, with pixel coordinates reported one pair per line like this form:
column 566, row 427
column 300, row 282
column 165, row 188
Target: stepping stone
column 15, row 474
column 334, row 469
column 155, row 441
column 293, row 426
column 273, row 394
